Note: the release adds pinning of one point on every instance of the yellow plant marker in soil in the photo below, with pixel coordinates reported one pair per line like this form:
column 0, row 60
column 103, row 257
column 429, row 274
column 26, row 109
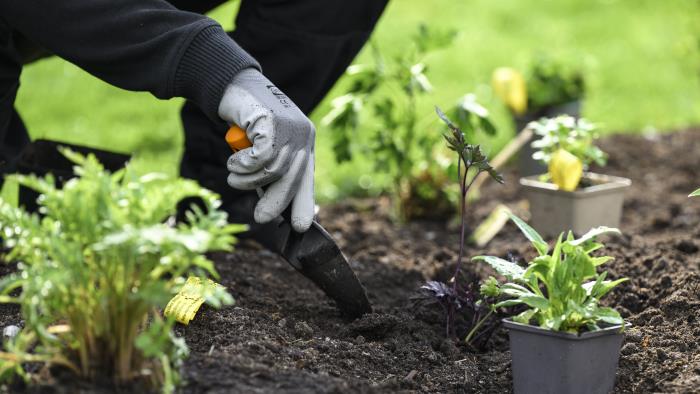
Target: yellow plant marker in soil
column 496, row 220
column 566, row 170
column 184, row 306
column 491, row 225
column 509, row 85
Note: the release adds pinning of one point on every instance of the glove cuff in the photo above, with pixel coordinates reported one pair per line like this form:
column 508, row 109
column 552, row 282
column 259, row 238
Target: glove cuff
column 207, row 67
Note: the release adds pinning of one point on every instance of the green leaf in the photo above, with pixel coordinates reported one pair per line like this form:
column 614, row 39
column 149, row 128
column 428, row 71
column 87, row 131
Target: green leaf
column 506, row 268
column 695, row 193
column 525, row 317
column 525, row 296
column 487, row 126
column 608, row 315
column 508, row 303
column 444, row 118
column 599, row 288
column 592, row 233
column 533, row 236
column 535, row 301
column 469, row 104
column 601, row 260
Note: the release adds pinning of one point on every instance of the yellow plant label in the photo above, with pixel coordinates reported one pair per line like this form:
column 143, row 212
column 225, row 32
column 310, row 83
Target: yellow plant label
column 566, row 170
column 184, row 306
column 509, row 85
column 491, row 225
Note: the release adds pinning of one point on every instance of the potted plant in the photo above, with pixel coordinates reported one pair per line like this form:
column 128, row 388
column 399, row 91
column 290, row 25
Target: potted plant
column 564, row 342
column 567, row 198
column 551, row 87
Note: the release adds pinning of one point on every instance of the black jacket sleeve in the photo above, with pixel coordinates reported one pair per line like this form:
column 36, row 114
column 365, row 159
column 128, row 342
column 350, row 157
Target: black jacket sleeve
column 142, row 45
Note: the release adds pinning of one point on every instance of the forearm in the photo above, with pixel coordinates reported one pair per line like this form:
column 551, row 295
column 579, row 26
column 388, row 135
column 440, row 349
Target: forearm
column 142, row 45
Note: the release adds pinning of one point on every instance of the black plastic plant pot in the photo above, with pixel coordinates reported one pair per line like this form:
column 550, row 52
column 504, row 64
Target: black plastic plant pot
column 526, row 164
column 549, row 362
column 554, row 211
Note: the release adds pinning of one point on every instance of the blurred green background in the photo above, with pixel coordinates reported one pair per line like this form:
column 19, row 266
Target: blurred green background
column 640, row 59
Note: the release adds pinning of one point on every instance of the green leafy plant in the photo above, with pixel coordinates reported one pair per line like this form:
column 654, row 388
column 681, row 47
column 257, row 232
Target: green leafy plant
column 453, row 297
column 695, row 193
column 576, row 136
column 551, row 82
column 378, row 118
column 95, row 269
column 560, row 287
column 566, row 145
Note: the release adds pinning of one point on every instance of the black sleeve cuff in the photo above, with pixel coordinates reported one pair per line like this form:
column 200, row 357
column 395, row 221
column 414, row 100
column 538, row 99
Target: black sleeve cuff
column 207, row 66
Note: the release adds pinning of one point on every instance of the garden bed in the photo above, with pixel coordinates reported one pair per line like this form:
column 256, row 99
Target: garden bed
column 283, row 335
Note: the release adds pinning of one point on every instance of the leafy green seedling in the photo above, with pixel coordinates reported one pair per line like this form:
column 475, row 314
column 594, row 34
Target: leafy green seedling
column 551, row 82
column 97, row 267
column 560, row 287
column 576, row 136
column 470, row 159
column 565, row 145
column 377, row 118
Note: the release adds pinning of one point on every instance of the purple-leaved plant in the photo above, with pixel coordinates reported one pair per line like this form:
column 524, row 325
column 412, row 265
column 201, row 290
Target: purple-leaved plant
column 471, row 163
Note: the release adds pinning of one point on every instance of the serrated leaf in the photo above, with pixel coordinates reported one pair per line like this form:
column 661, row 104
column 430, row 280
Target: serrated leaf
column 444, row 118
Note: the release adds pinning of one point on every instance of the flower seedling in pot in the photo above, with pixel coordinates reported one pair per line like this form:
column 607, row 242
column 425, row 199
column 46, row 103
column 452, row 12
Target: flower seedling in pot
column 551, row 87
column 565, row 341
column 95, row 270
column 566, row 145
column 454, row 297
column 568, row 197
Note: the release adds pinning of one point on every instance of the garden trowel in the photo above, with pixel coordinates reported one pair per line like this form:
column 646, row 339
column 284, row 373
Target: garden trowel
column 313, row 253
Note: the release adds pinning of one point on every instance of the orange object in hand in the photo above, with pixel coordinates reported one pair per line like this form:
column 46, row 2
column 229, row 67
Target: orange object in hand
column 237, row 139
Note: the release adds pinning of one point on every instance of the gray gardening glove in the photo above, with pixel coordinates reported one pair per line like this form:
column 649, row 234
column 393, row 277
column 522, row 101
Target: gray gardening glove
column 282, row 155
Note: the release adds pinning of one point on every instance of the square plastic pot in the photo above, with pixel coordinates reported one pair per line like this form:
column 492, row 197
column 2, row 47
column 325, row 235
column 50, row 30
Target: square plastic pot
column 549, row 362
column 528, row 166
column 554, row 211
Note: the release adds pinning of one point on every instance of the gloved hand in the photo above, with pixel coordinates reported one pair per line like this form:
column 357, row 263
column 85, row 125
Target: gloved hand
column 282, row 155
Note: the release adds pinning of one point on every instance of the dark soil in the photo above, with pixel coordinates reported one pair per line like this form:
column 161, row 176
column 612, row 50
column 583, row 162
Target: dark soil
column 284, row 336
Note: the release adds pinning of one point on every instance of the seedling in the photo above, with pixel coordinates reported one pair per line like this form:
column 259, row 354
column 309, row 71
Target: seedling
column 470, row 163
column 97, row 267
column 565, row 145
column 551, row 82
column 548, row 83
column 378, row 118
column 560, row 287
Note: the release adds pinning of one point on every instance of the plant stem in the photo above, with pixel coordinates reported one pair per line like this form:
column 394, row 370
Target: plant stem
column 464, row 189
column 476, row 327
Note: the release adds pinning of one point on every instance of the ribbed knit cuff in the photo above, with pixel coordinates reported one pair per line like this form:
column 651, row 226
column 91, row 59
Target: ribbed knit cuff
column 208, row 66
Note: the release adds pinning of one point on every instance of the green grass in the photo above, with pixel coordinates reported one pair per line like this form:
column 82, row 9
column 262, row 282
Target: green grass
column 640, row 55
